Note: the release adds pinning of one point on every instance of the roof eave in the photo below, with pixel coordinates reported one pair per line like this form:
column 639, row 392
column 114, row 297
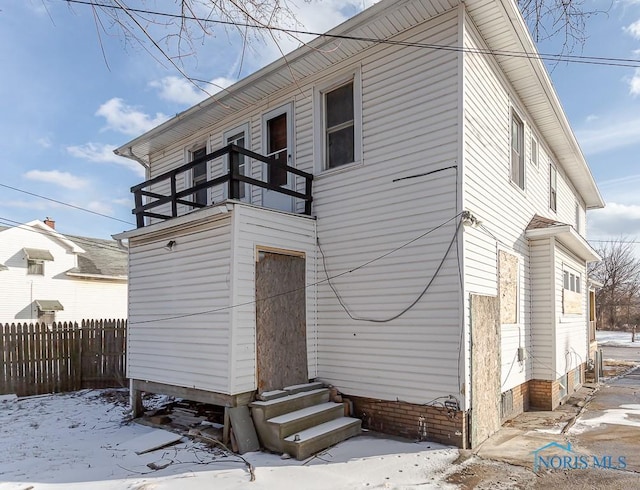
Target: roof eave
column 96, row 276
column 589, row 190
column 569, row 237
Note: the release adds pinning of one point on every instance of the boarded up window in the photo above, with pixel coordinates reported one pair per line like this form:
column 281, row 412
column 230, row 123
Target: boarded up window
column 508, row 287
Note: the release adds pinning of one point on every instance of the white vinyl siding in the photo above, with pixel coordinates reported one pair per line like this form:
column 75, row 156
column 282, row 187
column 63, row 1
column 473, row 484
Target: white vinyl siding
column 256, row 228
column 505, row 211
column 543, row 314
column 571, row 330
column 410, row 106
column 81, row 298
column 191, row 350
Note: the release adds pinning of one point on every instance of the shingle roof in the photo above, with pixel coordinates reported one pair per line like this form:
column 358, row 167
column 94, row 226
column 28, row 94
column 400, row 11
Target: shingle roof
column 541, row 222
column 102, row 257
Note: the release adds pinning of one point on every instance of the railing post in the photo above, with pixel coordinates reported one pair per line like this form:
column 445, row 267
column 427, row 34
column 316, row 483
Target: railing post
column 138, row 202
column 174, row 189
column 308, row 200
column 234, row 171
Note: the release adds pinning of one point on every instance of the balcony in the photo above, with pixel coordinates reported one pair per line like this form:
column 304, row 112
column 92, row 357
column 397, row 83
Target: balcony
column 147, row 201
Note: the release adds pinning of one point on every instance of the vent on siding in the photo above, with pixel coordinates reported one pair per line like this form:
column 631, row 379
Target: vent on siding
column 506, row 404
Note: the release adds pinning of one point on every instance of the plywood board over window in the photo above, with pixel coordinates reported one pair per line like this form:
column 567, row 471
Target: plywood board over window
column 508, row 287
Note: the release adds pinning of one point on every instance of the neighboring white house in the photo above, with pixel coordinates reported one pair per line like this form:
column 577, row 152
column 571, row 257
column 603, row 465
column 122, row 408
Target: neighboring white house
column 46, row 276
column 431, row 175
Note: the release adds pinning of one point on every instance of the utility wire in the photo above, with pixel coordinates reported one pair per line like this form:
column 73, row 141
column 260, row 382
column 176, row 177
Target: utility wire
column 406, row 309
column 349, row 271
column 74, row 238
column 591, row 60
column 66, row 204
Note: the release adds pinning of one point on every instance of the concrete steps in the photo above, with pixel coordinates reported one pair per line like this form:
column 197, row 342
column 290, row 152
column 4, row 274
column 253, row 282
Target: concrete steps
column 300, row 420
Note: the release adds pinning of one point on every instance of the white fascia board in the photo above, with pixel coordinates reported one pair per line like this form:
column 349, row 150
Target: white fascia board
column 590, row 192
column 73, row 248
column 568, row 236
column 96, row 276
column 192, row 218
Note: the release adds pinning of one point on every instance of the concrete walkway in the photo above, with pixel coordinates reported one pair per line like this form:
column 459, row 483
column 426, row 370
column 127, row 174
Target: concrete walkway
column 598, row 422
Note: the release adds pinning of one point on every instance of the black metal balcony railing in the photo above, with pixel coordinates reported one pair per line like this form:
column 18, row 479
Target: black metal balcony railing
column 233, row 179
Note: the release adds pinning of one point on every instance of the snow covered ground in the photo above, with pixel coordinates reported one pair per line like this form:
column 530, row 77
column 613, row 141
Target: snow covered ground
column 617, row 339
column 79, row 441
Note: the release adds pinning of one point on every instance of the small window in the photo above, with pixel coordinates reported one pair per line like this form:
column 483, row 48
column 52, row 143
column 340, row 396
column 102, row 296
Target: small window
column 238, row 137
column 553, row 188
column 534, row 152
column 35, row 267
column 578, row 227
column 199, row 175
column 339, row 126
column 46, row 317
column 571, row 281
column 517, row 150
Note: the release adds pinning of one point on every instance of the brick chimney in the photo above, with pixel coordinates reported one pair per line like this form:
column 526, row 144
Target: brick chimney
column 49, row 222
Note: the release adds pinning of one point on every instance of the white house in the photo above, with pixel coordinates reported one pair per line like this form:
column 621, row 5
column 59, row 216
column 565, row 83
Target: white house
column 416, row 238
column 46, row 276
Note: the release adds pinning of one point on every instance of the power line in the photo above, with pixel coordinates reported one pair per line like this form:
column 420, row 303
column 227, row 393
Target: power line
column 73, row 238
column 66, row 204
column 349, row 271
column 581, row 59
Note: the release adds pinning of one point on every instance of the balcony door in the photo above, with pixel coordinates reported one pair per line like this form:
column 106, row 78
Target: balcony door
column 277, row 131
column 239, row 137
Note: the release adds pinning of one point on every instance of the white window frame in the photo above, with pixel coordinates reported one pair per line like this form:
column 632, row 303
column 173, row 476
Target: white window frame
column 39, row 264
column 535, row 155
column 553, row 187
column 319, row 120
column 520, row 182
column 571, row 280
column 188, row 157
column 246, row 129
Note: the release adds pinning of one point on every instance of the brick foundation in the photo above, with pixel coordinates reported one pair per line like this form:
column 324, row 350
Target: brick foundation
column 544, row 394
column 418, row 422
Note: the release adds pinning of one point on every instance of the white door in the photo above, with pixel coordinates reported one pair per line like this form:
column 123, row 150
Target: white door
column 277, row 131
column 239, row 137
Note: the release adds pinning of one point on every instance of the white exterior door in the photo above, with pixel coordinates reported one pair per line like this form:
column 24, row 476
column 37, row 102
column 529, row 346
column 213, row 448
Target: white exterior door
column 277, row 131
column 239, row 137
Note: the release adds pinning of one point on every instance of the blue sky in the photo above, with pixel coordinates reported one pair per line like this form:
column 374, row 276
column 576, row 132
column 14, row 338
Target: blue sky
column 63, row 108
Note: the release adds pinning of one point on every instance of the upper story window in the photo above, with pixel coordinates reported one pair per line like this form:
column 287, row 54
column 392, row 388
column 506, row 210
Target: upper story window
column 517, row 150
column 199, row 175
column 35, row 267
column 578, row 213
column 338, row 126
column 553, row 188
column 534, row 152
column 36, row 258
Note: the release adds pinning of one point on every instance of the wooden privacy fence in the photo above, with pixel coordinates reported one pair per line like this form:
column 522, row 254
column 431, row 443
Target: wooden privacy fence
column 36, row 358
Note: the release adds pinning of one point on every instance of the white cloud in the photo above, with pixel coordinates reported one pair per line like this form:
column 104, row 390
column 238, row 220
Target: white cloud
column 591, row 118
column 38, row 205
column 44, row 142
column 181, row 91
column 633, row 29
column 100, row 207
column 634, row 83
column 128, row 119
column 614, row 220
column 62, row 179
column 125, row 201
column 609, row 135
column 101, row 153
